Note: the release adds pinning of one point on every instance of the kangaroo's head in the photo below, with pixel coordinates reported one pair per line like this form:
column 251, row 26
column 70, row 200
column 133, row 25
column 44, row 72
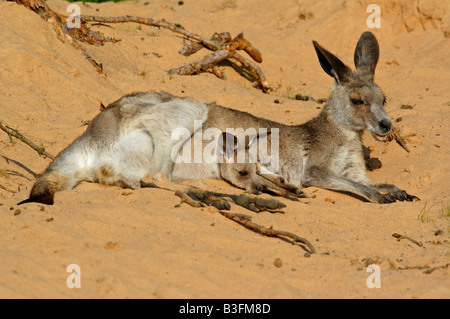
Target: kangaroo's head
column 356, row 102
column 242, row 174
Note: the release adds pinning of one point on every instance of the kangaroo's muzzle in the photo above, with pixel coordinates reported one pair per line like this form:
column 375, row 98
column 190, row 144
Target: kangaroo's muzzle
column 384, row 127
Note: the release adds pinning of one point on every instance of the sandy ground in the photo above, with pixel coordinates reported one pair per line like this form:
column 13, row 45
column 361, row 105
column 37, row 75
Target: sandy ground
column 137, row 244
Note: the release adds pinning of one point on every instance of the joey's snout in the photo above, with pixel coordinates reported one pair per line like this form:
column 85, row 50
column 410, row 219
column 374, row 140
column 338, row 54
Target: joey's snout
column 256, row 188
column 384, row 127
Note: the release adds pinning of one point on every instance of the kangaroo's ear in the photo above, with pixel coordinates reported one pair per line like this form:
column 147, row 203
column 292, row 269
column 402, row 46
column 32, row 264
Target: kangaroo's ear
column 227, row 144
column 367, row 52
column 332, row 65
column 253, row 139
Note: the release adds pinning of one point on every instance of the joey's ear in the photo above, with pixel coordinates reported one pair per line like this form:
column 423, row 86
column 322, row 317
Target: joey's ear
column 332, row 65
column 253, row 139
column 227, row 144
column 367, row 52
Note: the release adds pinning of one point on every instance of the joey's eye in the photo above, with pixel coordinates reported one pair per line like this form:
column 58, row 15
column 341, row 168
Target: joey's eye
column 243, row 173
column 357, row 101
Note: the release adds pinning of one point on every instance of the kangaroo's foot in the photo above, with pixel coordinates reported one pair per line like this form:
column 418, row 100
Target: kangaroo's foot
column 394, row 193
column 199, row 198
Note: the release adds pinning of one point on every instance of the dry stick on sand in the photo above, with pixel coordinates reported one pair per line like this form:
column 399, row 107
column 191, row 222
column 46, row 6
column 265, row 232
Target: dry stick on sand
column 245, row 221
column 64, row 33
column 16, row 134
column 85, row 35
column 398, row 236
column 428, row 269
column 395, row 135
column 8, row 190
column 223, row 51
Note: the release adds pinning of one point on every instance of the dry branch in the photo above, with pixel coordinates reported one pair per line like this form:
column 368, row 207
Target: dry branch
column 18, row 135
column 245, row 221
column 8, row 190
column 204, row 197
column 395, row 135
column 191, row 48
column 227, row 51
column 221, row 43
column 64, row 33
column 398, row 236
column 208, row 64
column 427, row 268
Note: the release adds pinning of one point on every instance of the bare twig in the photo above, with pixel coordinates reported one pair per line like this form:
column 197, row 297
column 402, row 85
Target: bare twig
column 191, row 48
column 254, row 70
column 18, row 135
column 398, row 236
column 428, row 269
column 227, row 51
column 217, row 40
column 8, row 190
column 188, row 200
column 203, row 65
column 395, row 135
column 64, row 33
column 215, row 44
column 245, row 221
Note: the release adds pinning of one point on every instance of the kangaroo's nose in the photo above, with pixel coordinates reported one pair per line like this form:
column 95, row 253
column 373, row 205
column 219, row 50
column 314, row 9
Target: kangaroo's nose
column 385, row 125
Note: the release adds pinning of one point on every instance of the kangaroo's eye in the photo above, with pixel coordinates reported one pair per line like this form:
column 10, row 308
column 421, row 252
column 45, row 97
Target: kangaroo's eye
column 384, row 101
column 243, row 173
column 357, row 101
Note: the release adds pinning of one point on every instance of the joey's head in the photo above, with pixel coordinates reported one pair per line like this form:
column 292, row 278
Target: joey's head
column 242, row 174
column 356, row 102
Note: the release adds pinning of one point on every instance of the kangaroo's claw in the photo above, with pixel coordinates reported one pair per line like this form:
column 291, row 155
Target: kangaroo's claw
column 399, row 195
column 410, row 198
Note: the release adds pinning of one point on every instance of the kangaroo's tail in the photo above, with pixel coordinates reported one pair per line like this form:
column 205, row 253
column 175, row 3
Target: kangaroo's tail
column 46, row 186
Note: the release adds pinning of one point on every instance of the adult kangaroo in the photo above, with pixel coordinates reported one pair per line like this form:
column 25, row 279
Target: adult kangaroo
column 133, row 138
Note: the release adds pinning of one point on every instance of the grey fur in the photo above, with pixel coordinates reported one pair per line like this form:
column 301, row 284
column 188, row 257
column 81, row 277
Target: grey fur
column 133, row 138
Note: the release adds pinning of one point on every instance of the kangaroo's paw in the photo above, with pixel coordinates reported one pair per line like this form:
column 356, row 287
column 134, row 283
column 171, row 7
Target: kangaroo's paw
column 386, row 199
column 401, row 195
column 209, row 199
column 259, row 204
column 202, row 198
